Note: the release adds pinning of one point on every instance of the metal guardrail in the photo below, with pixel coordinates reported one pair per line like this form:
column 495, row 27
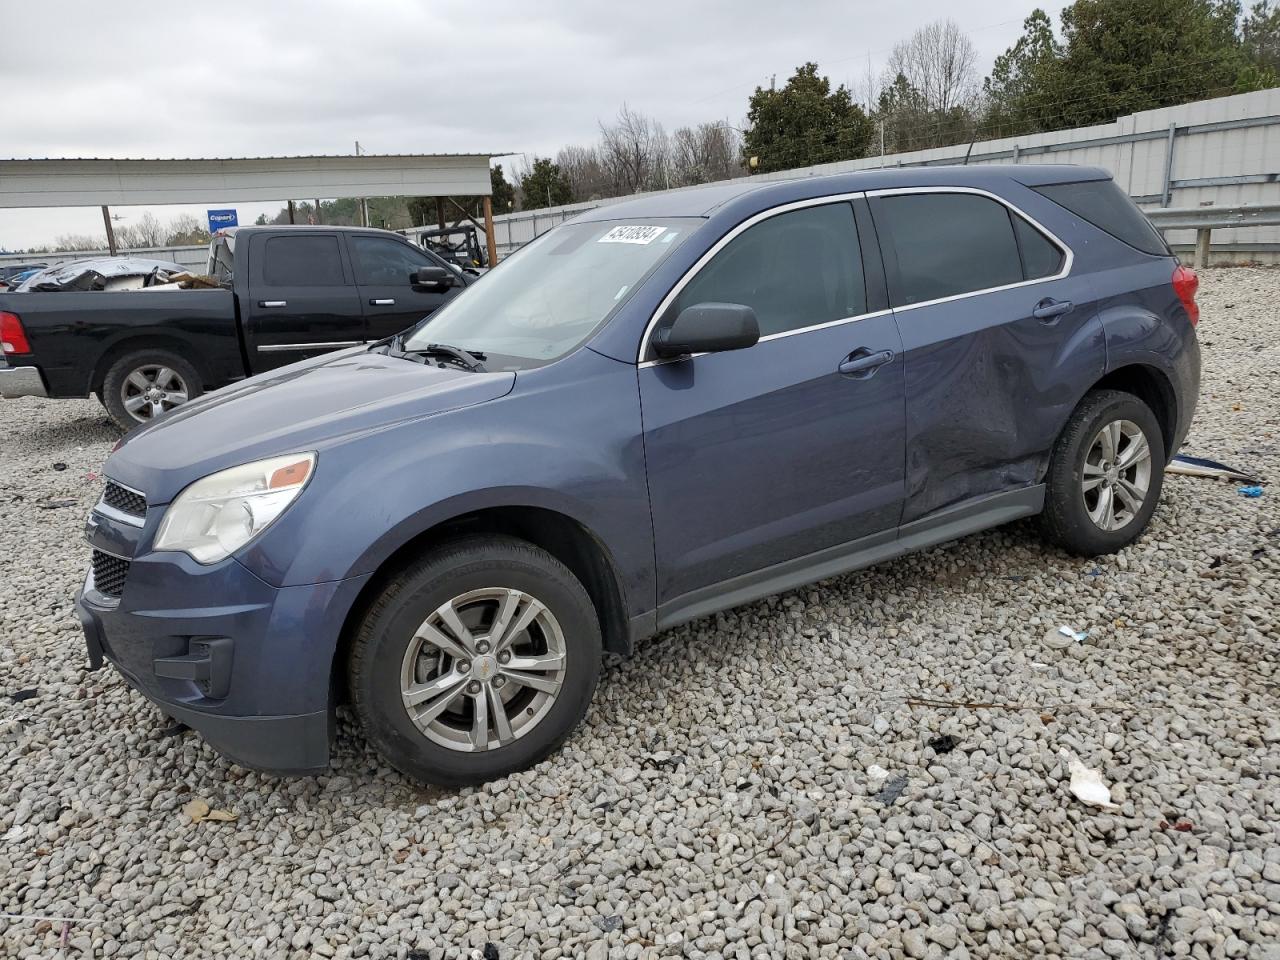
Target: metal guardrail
column 1204, row 220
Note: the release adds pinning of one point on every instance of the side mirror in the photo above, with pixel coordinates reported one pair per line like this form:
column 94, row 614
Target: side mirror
column 708, row 328
column 435, row 277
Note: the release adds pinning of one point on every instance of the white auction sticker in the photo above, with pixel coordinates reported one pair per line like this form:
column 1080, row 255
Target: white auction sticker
column 632, row 234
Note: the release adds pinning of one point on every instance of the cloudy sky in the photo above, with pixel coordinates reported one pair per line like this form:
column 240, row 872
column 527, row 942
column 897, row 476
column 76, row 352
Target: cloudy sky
column 235, row 78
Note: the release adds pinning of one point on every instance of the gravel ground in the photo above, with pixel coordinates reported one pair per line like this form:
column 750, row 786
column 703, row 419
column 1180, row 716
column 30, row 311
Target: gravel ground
column 723, row 798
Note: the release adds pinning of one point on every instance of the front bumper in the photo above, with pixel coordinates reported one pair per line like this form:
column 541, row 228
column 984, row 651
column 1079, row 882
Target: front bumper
column 21, row 382
column 245, row 664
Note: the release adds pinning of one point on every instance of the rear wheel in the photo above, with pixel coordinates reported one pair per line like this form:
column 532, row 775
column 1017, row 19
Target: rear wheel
column 140, row 386
column 1105, row 475
column 476, row 662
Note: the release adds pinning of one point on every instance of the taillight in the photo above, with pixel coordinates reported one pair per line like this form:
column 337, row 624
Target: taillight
column 13, row 339
column 1185, row 284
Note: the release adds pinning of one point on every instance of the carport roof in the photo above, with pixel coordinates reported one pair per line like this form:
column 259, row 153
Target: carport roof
column 97, row 181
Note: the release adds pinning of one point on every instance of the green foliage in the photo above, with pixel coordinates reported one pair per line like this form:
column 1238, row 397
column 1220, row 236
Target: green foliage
column 804, row 123
column 545, row 186
column 1260, row 34
column 1121, row 56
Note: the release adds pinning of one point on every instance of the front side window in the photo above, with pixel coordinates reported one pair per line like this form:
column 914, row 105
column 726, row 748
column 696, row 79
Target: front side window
column 302, row 262
column 795, row 270
column 554, row 293
column 382, row 261
column 947, row 244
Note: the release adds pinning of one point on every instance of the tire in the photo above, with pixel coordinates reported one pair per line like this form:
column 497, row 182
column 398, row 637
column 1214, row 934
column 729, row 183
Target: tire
column 389, row 656
column 174, row 379
column 1076, row 514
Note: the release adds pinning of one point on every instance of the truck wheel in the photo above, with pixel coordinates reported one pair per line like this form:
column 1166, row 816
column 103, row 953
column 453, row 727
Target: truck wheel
column 1105, row 475
column 140, row 386
column 475, row 662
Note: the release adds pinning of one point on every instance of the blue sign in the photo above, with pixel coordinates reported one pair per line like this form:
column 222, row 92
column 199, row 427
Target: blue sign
column 221, row 219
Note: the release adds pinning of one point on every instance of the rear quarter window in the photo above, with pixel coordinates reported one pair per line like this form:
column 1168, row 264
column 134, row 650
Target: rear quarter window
column 1103, row 204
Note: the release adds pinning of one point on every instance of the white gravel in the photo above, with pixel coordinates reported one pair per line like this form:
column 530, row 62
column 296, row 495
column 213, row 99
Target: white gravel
column 720, row 801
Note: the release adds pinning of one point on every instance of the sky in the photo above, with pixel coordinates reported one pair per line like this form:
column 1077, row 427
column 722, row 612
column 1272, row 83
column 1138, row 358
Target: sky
column 277, row 78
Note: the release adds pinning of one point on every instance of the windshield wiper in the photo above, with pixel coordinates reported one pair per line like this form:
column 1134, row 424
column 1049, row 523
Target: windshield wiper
column 468, row 359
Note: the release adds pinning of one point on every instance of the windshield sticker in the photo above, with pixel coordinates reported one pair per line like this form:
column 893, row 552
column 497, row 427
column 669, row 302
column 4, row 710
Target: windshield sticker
column 632, row 234
column 671, row 235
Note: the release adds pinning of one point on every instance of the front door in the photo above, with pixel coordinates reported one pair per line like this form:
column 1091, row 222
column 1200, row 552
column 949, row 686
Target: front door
column 765, row 455
column 385, row 268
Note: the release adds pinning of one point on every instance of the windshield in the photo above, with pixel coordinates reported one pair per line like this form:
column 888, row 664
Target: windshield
column 554, row 293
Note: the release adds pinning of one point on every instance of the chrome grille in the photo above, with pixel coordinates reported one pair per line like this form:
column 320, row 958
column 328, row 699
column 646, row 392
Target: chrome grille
column 109, row 573
column 124, row 499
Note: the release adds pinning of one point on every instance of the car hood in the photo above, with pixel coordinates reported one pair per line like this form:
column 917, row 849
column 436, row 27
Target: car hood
column 306, row 406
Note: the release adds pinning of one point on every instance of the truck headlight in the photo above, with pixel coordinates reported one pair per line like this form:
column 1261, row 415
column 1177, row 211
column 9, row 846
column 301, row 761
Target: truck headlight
column 216, row 516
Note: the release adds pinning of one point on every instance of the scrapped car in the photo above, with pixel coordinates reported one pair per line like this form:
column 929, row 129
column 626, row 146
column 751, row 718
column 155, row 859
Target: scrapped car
column 658, row 410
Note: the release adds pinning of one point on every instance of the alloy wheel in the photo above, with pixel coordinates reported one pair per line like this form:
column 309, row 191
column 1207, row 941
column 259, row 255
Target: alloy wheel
column 152, row 389
column 483, row 669
column 1116, row 475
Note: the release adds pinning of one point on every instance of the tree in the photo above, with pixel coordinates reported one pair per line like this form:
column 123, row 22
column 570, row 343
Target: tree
column 633, row 150
column 545, row 185
column 1022, row 83
column 1260, row 34
column 803, row 123
column 582, row 167
column 1122, row 56
column 703, row 154
column 186, row 230
column 938, row 62
column 147, row 232
column 262, row 220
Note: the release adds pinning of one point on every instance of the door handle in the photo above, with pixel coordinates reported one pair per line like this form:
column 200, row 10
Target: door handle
column 861, row 364
column 384, row 302
column 273, row 303
column 1050, row 309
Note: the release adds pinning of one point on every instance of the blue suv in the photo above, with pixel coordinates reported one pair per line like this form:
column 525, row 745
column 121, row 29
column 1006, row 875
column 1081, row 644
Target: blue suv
column 661, row 409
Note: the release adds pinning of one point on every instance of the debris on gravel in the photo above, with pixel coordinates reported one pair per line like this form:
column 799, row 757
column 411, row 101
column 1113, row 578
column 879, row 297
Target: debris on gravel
column 723, row 798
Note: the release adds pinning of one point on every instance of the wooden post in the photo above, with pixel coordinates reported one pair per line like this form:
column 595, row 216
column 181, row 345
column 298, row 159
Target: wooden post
column 319, row 219
column 440, row 211
column 291, row 212
column 1202, row 248
column 111, row 233
column 488, row 232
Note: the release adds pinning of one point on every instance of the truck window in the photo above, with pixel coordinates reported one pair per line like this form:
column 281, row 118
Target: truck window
column 382, row 261
column 302, row 262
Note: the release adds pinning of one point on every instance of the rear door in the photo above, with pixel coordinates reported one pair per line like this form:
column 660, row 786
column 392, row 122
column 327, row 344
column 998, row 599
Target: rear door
column 384, row 269
column 998, row 334
column 302, row 299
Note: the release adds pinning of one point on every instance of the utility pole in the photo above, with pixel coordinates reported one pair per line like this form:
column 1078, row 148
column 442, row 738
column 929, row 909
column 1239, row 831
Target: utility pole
column 111, row 232
column 291, row 211
column 364, row 204
column 882, row 141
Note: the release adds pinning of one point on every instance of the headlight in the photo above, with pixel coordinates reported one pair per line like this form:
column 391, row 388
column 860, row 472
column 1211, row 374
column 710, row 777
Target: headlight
column 218, row 515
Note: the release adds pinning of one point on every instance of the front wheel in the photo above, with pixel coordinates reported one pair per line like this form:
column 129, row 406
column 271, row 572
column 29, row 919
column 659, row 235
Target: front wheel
column 476, row 662
column 1105, row 475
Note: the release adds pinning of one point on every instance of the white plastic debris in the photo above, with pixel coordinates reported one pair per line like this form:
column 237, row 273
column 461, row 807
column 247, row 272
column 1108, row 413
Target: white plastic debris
column 1079, row 636
column 1086, row 783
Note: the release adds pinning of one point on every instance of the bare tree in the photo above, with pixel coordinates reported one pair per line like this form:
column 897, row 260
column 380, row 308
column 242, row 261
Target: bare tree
column 147, row 232
column 705, row 153
column 78, row 242
column 938, row 64
column 586, row 174
column 633, row 151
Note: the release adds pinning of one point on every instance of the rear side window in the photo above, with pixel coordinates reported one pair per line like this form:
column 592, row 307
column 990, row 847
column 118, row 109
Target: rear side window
column 302, row 262
column 795, row 270
column 1040, row 255
column 1108, row 208
column 947, row 244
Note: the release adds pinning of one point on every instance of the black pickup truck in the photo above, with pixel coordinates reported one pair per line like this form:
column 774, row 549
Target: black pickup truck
column 282, row 294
